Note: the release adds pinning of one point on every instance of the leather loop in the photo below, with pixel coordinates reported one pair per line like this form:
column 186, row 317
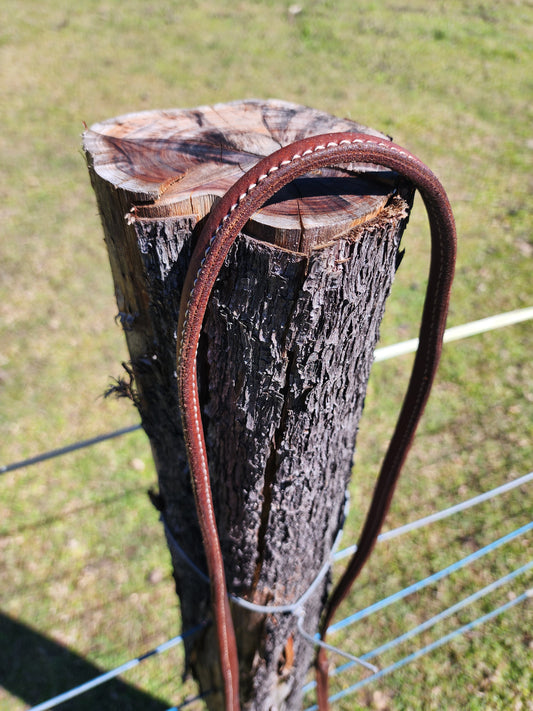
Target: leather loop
column 222, row 226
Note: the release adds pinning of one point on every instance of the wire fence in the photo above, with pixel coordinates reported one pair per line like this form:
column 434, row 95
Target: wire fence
column 67, row 449
column 427, row 649
column 451, row 334
column 113, row 673
column 423, row 626
column 454, row 333
column 377, row 607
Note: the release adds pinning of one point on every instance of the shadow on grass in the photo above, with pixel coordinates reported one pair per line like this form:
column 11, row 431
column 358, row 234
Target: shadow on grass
column 35, row 668
column 94, row 506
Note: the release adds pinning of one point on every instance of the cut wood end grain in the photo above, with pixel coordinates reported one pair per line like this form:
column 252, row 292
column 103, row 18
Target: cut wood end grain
column 180, row 161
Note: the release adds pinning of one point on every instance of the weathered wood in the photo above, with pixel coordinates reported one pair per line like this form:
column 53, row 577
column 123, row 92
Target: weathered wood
column 283, row 361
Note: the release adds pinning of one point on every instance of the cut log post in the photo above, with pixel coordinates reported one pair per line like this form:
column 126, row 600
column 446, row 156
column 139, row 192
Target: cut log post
column 283, row 362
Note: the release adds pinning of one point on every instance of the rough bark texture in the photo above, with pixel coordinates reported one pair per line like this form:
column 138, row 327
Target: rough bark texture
column 284, row 358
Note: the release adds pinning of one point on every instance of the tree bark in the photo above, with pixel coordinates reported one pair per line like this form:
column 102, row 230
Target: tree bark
column 283, row 362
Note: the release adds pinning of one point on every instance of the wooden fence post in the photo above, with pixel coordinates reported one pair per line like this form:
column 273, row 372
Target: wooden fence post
column 283, row 362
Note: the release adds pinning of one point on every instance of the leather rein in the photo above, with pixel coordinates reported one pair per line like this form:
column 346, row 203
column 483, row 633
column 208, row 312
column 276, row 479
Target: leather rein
column 221, row 228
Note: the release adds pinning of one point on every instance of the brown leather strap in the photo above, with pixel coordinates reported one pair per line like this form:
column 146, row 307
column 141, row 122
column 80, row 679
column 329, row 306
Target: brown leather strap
column 223, row 225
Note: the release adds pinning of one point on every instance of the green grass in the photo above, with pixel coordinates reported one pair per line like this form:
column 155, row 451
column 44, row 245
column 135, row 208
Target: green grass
column 83, row 562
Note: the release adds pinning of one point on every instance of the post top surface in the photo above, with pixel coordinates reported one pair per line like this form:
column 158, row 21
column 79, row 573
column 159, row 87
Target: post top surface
column 179, row 161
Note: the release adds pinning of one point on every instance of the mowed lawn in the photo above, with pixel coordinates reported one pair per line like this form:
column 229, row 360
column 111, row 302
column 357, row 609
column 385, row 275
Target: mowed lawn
column 85, row 580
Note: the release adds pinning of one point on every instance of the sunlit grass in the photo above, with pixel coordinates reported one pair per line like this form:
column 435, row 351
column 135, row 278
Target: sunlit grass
column 83, row 559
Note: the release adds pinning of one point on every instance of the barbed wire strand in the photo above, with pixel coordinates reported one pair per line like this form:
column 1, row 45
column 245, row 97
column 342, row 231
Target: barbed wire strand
column 454, row 333
column 107, row 676
column 428, row 648
column 427, row 624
